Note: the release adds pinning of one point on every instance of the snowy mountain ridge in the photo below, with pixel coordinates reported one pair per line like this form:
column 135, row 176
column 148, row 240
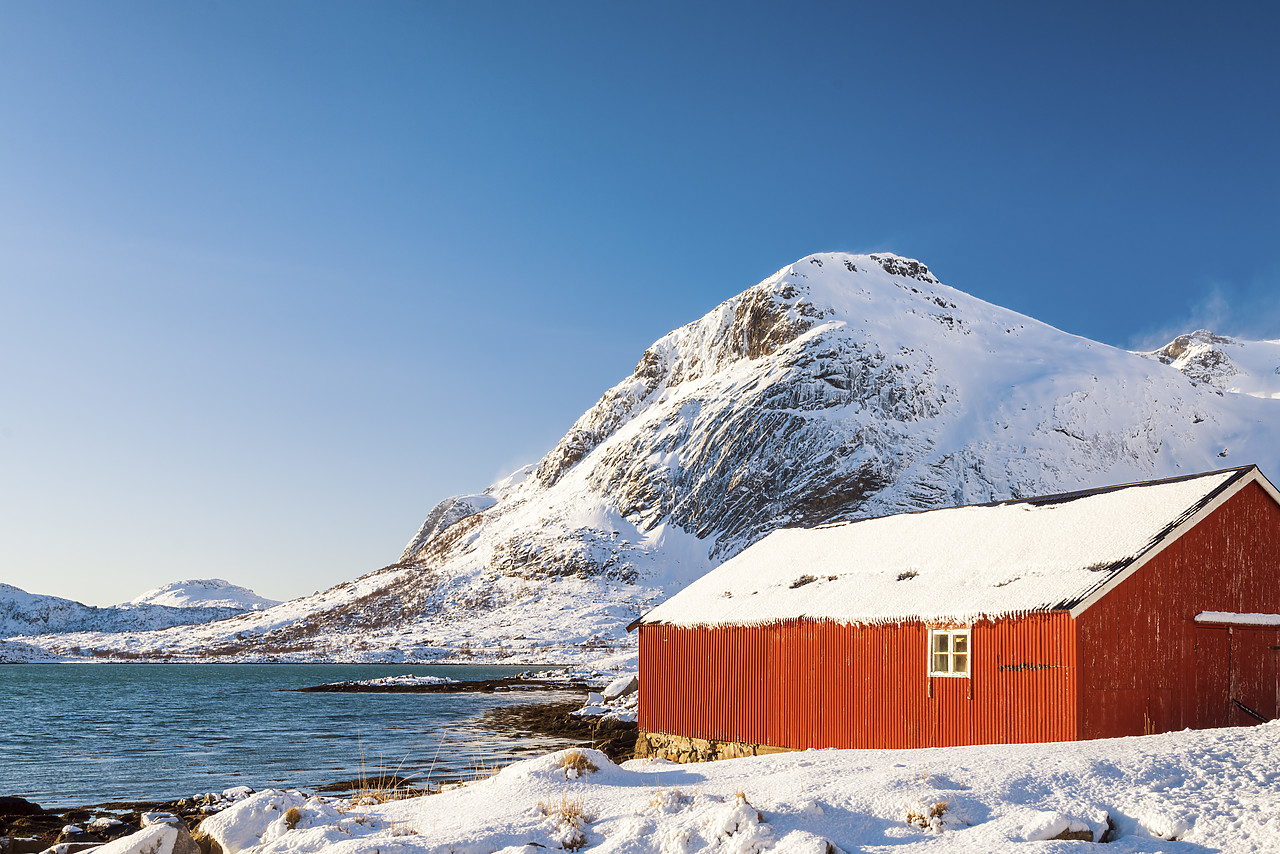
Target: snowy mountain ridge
column 842, row 387
column 181, row 603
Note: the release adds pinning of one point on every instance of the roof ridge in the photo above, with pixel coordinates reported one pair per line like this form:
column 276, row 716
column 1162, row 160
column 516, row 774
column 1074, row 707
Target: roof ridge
column 1053, row 498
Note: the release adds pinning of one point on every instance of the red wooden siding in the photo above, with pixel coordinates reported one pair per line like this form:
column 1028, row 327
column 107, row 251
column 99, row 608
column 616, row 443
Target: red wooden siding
column 1148, row 667
column 817, row 684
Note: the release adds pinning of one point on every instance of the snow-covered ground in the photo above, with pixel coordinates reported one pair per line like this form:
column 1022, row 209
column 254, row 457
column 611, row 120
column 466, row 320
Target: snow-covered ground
column 1191, row 791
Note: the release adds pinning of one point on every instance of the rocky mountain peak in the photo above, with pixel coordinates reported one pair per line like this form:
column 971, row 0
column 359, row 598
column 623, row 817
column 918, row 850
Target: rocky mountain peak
column 1201, row 355
column 841, row 387
column 1227, row 364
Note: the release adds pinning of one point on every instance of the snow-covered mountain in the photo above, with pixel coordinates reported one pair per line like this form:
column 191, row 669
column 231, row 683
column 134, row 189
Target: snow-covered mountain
column 204, row 593
column 182, row 603
column 841, row 387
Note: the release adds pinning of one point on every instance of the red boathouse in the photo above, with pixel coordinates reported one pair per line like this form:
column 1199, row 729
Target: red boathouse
column 1132, row 609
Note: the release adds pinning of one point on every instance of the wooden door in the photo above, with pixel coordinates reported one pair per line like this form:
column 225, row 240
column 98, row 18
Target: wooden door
column 1253, row 690
column 1210, row 699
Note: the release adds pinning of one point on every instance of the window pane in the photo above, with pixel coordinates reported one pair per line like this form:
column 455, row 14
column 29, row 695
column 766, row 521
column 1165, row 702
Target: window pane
column 961, row 663
column 940, row 662
column 941, row 642
column 961, row 641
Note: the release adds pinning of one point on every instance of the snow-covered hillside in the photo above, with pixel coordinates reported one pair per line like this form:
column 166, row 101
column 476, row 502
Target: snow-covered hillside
column 204, row 593
column 182, row 603
column 841, row 387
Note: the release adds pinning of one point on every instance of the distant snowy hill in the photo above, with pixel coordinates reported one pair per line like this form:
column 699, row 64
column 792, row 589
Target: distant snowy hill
column 183, row 603
column 841, row 387
column 1239, row 367
column 204, row 593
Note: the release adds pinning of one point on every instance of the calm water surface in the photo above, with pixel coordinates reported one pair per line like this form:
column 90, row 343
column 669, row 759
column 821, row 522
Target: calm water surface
column 73, row 734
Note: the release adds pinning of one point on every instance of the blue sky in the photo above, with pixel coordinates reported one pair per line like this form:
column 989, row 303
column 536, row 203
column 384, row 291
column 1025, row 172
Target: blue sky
column 276, row 277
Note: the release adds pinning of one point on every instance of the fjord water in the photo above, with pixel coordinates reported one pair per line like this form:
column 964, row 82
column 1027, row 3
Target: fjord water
column 76, row 734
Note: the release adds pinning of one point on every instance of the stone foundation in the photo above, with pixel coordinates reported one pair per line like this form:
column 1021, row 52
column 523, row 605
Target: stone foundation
column 678, row 748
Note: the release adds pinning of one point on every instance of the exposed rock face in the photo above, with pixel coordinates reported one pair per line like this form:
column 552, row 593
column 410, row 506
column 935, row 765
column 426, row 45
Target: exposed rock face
column 444, row 514
column 1201, row 356
column 842, row 387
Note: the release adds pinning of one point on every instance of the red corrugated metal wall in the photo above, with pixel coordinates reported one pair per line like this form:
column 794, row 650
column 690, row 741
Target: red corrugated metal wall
column 1134, row 662
column 1147, row 666
column 806, row 684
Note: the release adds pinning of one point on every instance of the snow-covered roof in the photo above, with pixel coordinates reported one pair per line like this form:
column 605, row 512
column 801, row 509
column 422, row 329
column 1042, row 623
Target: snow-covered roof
column 957, row 564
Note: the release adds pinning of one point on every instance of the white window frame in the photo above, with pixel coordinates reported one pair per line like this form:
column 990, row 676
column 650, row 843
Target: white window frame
column 951, row 634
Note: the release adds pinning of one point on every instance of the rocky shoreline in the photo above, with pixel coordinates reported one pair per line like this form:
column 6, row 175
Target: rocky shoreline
column 27, row 828
column 616, row 739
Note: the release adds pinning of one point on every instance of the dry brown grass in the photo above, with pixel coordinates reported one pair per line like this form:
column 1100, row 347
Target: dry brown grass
column 570, row 815
column 385, row 785
column 927, row 816
column 577, row 762
column 667, row 799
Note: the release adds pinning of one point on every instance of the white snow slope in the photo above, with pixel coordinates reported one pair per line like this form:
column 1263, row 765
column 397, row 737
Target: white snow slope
column 204, row 593
column 1211, row 790
column 842, row 387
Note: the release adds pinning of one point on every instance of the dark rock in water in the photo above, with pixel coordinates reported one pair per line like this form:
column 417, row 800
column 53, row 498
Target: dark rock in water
column 73, row 847
column 75, row 833
column 108, row 828
column 45, row 830
column 21, row 845
column 18, row 806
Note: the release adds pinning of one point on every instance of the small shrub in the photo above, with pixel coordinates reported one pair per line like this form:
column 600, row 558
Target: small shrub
column 291, row 817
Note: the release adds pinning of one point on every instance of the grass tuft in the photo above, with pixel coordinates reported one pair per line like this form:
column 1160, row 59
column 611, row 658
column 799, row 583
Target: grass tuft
column 570, row 815
column 927, row 816
column 575, row 763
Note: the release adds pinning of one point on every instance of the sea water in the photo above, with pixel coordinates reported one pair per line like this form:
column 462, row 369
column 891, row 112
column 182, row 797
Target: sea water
column 78, row 734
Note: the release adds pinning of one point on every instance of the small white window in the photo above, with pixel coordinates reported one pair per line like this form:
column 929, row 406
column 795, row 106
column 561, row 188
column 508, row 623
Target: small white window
column 949, row 652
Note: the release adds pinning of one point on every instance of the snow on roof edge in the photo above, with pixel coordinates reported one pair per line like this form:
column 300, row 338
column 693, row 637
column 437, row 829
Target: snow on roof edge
column 900, row 620
column 1243, row 474
column 1114, row 573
